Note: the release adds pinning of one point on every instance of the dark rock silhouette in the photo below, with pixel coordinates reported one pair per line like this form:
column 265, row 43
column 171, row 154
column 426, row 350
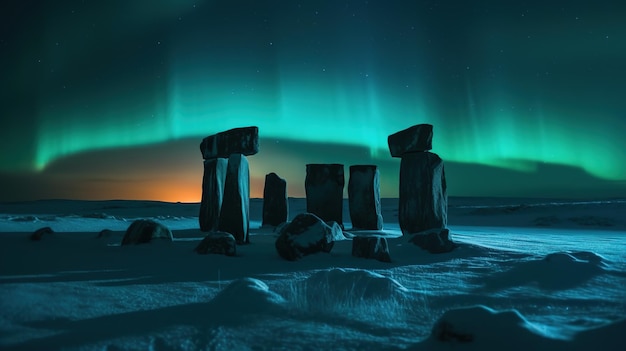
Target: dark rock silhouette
column 39, row 233
column 212, row 193
column 243, row 141
column 220, row 243
column 275, row 204
column 105, row 233
column 423, row 193
column 144, row 230
column 306, row 234
column 413, row 139
column 234, row 216
column 374, row 246
column 364, row 197
column 434, row 241
column 324, row 191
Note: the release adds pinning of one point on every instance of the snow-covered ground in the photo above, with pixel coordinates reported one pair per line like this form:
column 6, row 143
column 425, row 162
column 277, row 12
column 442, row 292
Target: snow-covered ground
column 528, row 275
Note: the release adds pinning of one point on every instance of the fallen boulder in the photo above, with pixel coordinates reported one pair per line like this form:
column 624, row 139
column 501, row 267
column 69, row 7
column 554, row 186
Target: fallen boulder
column 220, row 243
column 306, row 234
column 144, row 230
column 39, row 233
column 434, row 240
column 375, row 247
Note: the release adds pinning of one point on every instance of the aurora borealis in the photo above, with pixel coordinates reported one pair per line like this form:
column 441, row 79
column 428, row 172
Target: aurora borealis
column 109, row 99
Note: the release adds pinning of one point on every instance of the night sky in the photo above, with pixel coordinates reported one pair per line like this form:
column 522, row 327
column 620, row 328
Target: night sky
column 111, row 99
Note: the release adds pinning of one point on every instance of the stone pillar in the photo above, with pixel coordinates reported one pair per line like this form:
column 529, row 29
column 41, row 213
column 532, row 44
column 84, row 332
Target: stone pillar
column 235, row 214
column 275, row 204
column 423, row 193
column 364, row 197
column 226, row 181
column 212, row 193
column 324, row 191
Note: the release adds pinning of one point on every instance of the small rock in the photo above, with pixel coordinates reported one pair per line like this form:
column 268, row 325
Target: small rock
column 221, row 243
column 434, row 241
column 39, row 233
column 104, row 233
column 371, row 247
column 144, row 230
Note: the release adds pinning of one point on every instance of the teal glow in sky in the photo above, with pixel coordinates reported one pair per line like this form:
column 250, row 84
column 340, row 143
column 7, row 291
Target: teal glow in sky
column 509, row 87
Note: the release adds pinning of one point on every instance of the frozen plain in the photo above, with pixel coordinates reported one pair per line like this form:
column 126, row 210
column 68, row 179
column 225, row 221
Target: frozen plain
column 530, row 274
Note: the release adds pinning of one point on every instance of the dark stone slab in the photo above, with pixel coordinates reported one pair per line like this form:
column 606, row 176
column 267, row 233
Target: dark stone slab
column 243, row 141
column 364, row 197
column 220, row 243
column 324, row 191
column 275, row 204
column 371, row 247
column 39, row 233
column 307, row 234
column 417, row 138
column 423, row 193
column 212, row 193
column 143, row 231
column 434, row 241
column 235, row 213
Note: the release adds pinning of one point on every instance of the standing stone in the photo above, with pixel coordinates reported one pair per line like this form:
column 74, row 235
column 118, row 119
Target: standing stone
column 275, row 205
column 417, row 138
column 423, row 193
column 234, row 216
column 364, row 197
column 212, row 193
column 324, row 191
column 243, row 141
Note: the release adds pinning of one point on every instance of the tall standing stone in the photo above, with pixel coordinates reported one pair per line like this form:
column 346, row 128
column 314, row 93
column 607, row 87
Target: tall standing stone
column 234, row 216
column 275, row 205
column 423, row 193
column 364, row 197
column 324, row 191
column 212, row 193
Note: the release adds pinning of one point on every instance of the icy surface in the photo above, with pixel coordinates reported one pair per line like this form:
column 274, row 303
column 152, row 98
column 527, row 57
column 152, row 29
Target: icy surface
column 512, row 283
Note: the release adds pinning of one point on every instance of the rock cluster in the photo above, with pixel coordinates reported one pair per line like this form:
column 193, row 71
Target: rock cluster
column 423, row 197
column 226, row 181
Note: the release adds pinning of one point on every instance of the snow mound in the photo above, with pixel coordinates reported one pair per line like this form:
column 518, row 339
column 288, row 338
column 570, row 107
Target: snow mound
column 482, row 328
column 359, row 283
column 556, row 271
column 246, row 296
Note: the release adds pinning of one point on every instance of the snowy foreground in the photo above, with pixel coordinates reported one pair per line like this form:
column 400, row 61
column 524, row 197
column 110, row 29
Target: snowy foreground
column 528, row 275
